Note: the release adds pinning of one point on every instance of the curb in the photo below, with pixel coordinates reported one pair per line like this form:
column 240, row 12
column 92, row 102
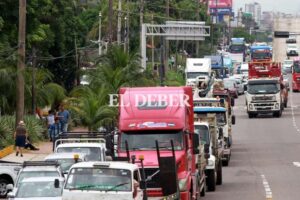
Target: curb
column 6, row 151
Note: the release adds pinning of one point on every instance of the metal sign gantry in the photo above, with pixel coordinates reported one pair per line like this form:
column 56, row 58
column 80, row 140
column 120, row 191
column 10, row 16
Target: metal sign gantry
column 173, row 30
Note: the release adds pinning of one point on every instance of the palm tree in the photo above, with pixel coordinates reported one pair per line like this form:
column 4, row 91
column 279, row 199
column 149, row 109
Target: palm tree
column 92, row 107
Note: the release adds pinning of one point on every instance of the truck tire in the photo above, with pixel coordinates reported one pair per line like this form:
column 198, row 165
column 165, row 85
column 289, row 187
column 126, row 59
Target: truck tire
column 251, row 115
column 211, row 180
column 285, row 104
column 3, row 190
column 226, row 162
column 277, row 114
column 219, row 174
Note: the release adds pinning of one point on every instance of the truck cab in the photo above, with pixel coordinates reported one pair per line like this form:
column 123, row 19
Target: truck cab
column 266, row 92
column 296, row 74
column 103, row 180
column 161, row 114
column 261, row 54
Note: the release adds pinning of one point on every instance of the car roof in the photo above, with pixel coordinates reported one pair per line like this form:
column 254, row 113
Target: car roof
column 99, row 145
column 39, row 168
column 42, row 179
column 70, row 155
column 114, row 165
column 209, row 109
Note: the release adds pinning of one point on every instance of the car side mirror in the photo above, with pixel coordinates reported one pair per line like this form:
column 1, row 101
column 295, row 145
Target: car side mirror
column 221, row 133
column 196, row 144
column 9, row 187
column 233, row 119
column 56, row 183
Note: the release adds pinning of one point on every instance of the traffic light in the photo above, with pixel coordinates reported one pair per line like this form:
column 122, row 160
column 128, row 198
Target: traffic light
column 281, row 34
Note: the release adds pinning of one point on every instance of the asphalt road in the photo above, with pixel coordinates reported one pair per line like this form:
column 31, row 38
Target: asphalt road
column 264, row 156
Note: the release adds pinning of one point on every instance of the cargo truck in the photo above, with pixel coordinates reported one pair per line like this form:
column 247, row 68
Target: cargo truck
column 296, row 74
column 162, row 114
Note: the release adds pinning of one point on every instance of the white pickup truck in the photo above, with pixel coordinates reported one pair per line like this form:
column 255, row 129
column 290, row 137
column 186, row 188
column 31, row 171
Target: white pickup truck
column 103, row 180
column 8, row 174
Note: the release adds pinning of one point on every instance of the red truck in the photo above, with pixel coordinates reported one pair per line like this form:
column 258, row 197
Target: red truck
column 162, row 114
column 296, row 74
column 266, row 91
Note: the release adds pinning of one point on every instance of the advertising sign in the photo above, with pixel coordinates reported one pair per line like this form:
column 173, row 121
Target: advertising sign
column 220, row 4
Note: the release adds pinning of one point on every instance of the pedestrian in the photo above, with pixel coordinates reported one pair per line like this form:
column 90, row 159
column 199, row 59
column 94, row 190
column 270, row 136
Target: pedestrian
column 50, row 123
column 64, row 117
column 29, row 145
column 20, row 136
column 56, row 128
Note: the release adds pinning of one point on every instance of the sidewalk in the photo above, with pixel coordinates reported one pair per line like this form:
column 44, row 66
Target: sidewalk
column 45, row 149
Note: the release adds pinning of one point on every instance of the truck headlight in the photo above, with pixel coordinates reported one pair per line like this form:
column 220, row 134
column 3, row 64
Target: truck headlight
column 250, row 106
column 276, row 105
column 183, row 183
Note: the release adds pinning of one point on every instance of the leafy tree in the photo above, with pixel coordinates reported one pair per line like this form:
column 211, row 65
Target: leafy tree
column 243, row 33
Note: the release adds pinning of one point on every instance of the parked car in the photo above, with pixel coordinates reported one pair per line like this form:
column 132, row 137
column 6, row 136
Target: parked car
column 231, row 85
column 47, row 188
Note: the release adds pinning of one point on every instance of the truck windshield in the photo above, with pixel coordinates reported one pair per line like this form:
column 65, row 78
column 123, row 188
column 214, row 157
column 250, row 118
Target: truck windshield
column 99, row 179
column 145, row 140
column 203, row 131
column 263, row 88
column 31, row 174
column 221, row 119
column 193, row 75
column 38, row 189
column 65, row 164
column 92, row 153
column 237, row 48
column 261, row 55
column 296, row 67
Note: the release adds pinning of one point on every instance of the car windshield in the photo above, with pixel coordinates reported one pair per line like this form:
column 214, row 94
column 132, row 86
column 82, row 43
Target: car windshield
column 229, row 84
column 221, row 118
column 296, row 67
column 92, row 153
column 100, row 179
column 65, row 164
column 237, row 48
column 203, row 131
column 38, row 189
column 145, row 140
column 30, row 174
column 261, row 55
column 193, row 75
column 263, row 88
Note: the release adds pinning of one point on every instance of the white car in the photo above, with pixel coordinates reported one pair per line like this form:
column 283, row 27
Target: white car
column 103, row 180
column 8, row 173
column 292, row 50
column 66, row 160
column 39, row 188
column 239, row 84
column 287, row 66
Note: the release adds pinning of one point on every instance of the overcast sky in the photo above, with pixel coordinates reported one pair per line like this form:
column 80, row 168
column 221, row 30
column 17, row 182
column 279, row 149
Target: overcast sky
column 286, row 6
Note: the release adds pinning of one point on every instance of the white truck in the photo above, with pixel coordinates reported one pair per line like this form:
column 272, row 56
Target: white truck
column 8, row 175
column 197, row 70
column 103, row 180
column 93, row 145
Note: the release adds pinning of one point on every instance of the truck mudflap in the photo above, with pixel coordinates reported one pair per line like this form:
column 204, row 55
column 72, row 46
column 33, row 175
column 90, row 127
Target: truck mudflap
column 226, row 154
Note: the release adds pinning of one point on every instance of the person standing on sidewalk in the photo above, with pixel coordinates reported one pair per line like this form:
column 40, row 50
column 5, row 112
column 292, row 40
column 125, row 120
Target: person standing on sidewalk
column 50, row 123
column 64, row 117
column 20, row 138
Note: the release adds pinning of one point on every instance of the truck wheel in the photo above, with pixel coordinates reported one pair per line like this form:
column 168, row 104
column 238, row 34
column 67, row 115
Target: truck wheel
column 251, row 115
column 285, row 104
column 211, row 180
column 219, row 174
column 294, row 90
column 277, row 114
column 3, row 190
column 226, row 162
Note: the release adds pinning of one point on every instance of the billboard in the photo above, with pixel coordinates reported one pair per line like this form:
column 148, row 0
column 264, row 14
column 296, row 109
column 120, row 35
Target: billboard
column 220, row 4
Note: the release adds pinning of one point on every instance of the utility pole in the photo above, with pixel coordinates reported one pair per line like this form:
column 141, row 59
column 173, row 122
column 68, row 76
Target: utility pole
column 141, row 21
column 21, row 62
column 100, row 34
column 119, row 22
column 34, row 62
column 110, row 21
column 152, row 43
column 76, row 61
column 127, row 27
column 198, row 19
column 167, row 44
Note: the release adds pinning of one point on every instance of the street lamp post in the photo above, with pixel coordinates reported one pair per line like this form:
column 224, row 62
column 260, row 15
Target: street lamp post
column 99, row 39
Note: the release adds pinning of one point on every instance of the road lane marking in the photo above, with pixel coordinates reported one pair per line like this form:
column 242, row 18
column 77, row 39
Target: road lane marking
column 293, row 114
column 267, row 187
column 297, row 164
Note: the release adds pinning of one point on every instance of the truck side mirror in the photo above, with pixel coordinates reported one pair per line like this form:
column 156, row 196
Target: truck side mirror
column 232, row 102
column 56, row 183
column 220, row 133
column 196, row 144
column 233, row 119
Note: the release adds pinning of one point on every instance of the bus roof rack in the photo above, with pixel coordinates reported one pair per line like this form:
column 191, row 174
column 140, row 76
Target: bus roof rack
column 40, row 163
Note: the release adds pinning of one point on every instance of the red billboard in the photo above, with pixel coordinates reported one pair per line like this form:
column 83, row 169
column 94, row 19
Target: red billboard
column 220, row 4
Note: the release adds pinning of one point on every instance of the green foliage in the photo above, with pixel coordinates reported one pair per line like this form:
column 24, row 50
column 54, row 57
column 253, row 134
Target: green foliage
column 242, row 32
column 175, row 78
column 34, row 127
